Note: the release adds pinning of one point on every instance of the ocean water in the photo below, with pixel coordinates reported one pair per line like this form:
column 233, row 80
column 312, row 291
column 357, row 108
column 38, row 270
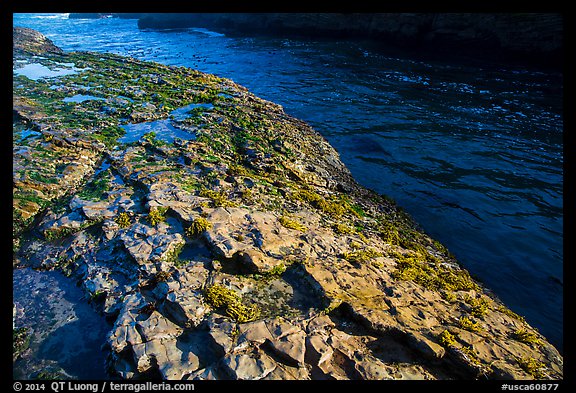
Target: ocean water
column 472, row 150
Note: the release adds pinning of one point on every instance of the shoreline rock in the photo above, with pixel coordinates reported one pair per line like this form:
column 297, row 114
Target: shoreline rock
column 531, row 38
column 235, row 254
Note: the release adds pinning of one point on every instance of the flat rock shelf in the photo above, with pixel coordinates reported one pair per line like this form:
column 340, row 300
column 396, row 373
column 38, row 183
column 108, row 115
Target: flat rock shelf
column 244, row 251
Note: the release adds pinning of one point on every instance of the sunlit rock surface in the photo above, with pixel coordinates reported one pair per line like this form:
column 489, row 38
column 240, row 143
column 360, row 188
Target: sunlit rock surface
column 246, row 251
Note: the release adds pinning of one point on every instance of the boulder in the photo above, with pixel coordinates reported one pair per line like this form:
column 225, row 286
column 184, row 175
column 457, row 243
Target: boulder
column 263, row 238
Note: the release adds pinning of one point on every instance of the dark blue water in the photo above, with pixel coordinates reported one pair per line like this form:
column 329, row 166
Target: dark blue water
column 66, row 333
column 474, row 152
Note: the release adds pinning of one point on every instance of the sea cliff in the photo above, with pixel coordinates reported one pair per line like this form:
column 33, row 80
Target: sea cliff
column 532, row 38
column 225, row 239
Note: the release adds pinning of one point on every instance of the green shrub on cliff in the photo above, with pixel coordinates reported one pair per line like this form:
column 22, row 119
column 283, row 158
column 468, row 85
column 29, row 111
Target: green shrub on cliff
column 389, row 233
column 205, row 97
column 150, row 137
column 503, row 309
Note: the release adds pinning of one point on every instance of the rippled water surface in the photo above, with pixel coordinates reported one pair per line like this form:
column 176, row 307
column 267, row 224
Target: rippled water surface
column 474, row 152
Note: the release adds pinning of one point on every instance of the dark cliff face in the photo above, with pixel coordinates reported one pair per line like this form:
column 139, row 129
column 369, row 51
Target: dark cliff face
column 534, row 38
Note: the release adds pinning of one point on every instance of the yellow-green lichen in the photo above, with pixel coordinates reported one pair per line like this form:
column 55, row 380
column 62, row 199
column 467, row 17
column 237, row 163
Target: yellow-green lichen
column 449, row 296
column 62, row 232
column 352, row 208
column 150, row 137
column 389, row 233
column 292, row 224
column 363, row 237
column 355, row 245
column 527, row 337
column 57, row 233
column 172, row 254
column 533, row 367
column 479, row 306
column 456, row 280
column 218, row 198
column 466, row 323
column 198, row 226
column 361, row 256
column 427, row 271
column 343, row 229
column 226, row 299
column 20, row 340
column 247, row 194
column 157, row 215
column 331, row 208
column 331, row 307
column 440, row 247
column 237, row 170
column 123, row 220
column 447, row 339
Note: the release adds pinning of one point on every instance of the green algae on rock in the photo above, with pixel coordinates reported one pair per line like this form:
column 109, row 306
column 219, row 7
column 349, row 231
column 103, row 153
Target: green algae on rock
column 300, row 273
column 20, row 341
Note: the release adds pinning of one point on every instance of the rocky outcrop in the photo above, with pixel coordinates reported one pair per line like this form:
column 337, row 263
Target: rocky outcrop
column 25, row 40
column 244, row 251
column 500, row 36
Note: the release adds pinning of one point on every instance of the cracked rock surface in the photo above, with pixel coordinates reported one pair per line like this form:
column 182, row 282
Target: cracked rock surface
column 235, row 253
